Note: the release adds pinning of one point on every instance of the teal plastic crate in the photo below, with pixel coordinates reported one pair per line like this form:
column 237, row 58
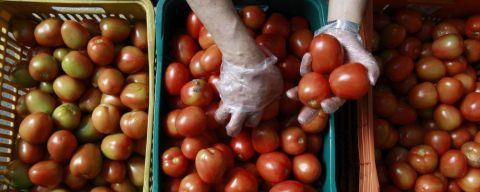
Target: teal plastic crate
column 171, row 14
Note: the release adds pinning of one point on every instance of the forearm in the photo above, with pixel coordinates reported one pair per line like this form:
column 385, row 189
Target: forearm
column 349, row 10
column 227, row 29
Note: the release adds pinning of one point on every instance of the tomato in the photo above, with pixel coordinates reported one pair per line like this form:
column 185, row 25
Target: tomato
column 297, row 23
column 293, row 140
column 117, row 146
column 351, row 75
column 288, row 186
column 43, row 67
column 193, row 183
column 192, row 145
column 47, row 33
column 92, row 27
column 306, row 168
column 471, row 180
column 16, row 174
column 101, row 189
column 313, row 88
column 471, row 127
column 172, row 184
column 447, row 117
column 211, row 60
column 426, row 50
column 242, row 146
column 384, row 104
column 184, row 48
column 227, row 154
column 60, row 53
column 212, row 80
column 387, row 55
column 425, row 32
column 423, row 159
column 72, row 181
column 289, row 67
column 123, row 185
column 265, row 139
column 89, row 100
column 453, row 164
column 113, row 171
column 39, row 101
column 191, row 121
column 410, row 19
column 404, row 114
column 136, row 170
column 105, row 118
column 113, row 100
column 410, row 47
column 28, row 153
column 317, row 125
column 86, row 132
column 327, row 53
column 74, row 34
column 402, row 175
column 392, row 139
column 381, row 132
column 174, row 163
column 393, row 35
column 46, row 174
column 382, row 175
column 471, row 150
column 139, row 146
column 140, row 77
column 211, row 164
column 299, row 42
column 430, row 69
column 67, row 88
column 196, row 93
column 135, row 96
column 276, row 23
column 114, row 28
column 205, row 39
column 380, row 21
column 77, row 65
column 193, row 25
column 239, row 179
column 448, row 46
column 449, row 90
column 375, row 42
column 23, row 31
column 411, row 135
column 38, row 50
column 445, row 28
column 273, row 43
column 438, row 140
column 36, row 128
column 101, row 50
column 453, row 186
column 423, row 96
column 396, row 154
column 134, row 124
column 20, row 76
column 467, row 82
column 270, row 111
column 176, row 75
column 459, row 23
column 469, row 106
column 252, row 16
column 470, row 50
column 110, row 81
column 460, row 136
column 472, row 27
column 61, row 145
column 130, row 60
column 429, row 182
column 139, row 35
column 399, row 68
column 274, row 166
column 455, row 66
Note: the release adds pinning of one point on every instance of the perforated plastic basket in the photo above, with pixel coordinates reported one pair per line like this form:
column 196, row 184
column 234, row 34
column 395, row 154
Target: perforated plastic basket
column 77, row 10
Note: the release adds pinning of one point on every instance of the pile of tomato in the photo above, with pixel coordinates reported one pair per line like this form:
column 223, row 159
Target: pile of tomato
column 279, row 154
column 426, row 103
column 82, row 124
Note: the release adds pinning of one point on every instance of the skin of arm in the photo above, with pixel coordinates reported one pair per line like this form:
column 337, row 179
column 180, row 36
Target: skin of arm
column 227, row 29
column 349, row 10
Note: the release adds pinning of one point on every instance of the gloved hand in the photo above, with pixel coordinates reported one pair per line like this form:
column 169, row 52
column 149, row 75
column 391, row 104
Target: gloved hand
column 245, row 92
column 348, row 36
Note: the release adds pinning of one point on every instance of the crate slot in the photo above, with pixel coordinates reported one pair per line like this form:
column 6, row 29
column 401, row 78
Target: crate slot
column 62, row 17
column 37, row 17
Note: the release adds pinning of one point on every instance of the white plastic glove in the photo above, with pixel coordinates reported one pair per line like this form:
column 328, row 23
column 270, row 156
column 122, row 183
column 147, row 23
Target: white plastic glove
column 245, row 92
column 348, row 36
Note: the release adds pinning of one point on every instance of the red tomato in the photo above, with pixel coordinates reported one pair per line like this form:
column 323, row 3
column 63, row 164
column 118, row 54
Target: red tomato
column 430, row 69
column 265, row 138
column 271, row 110
column 425, row 32
column 174, row 163
column 293, row 140
column 61, row 145
column 411, row 135
column 423, row 159
column 380, row 21
column 459, row 23
column 28, row 153
column 399, row 68
column 273, row 43
column 193, row 183
column 471, row 150
column 205, row 39
column 382, row 175
column 469, row 107
column 169, row 124
column 252, row 16
column 184, row 48
column 402, row 175
column 211, row 60
column 384, row 104
column 471, row 180
column 404, row 114
column 306, row 168
column 131, row 59
column 239, row 179
column 393, row 35
column 289, row 67
column 313, row 88
column 193, row 25
column 288, row 186
column 448, row 46
column 327, row 53
column 214, row 78
column 252, row 168
column 410, row 19
column 227, row 153
column 299, row 42
column 426, row 50
column 297, row 23
column 455, row 66
column 46, row 174
column 410, row 47
column 381, row 131
column 135, row 96
column 449, row 90
column 423, row 96
column 314, row 143
column 317, row 125
column 470, row 50
column 396, row 154
column 47, row 33
column 172, row 184
column 472, row 27
column 444, row 28
column 192, row 145
column 36, row 128
column 196, row 69
column 176, row 75
column 447, row 117
column 438, row 140
column 274, row 167
column 392, row 139
column 101, row 50
column 429, row 182
column 211, row 164
column 196, row 93
column 242, row 146
column 460, row 136
column 191, row 121
column 387, row 55
column 276, row 23
column 468, row 83
column 349, row 81
column 453, row 164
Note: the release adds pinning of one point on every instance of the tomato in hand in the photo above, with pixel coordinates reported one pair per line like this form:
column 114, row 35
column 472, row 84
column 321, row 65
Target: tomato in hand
column 327, row 53
column 349, row 81
column 313, row 88
column 274, row 167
